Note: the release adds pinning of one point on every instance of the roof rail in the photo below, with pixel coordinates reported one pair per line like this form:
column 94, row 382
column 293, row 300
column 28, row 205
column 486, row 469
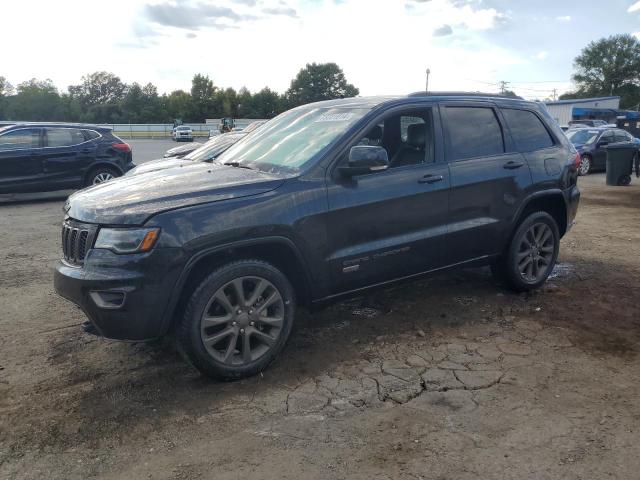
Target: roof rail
column 461, row 94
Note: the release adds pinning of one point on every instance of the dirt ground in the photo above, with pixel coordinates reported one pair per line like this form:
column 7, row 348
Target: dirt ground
column 448, row 378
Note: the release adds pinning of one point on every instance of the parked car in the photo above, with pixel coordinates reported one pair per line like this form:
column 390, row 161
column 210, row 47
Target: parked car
column 587, row 123
column 182, row 133
column 205, row 153
column 590, row 142
column 182, row 150
column 321, row 203
column 41, row 157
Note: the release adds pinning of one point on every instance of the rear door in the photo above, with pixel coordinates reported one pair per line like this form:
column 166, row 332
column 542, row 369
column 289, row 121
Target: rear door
column 20, row 165
column 488, row 180
column 68, row 154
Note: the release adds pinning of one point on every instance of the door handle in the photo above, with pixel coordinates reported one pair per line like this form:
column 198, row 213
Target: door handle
column 430, row 178
column 512, row 165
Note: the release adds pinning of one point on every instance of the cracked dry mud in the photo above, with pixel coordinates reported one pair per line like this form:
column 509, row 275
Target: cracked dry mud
column 449, row 378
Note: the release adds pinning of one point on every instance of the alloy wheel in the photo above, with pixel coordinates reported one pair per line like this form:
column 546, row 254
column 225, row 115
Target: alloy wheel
column 242, row 320
column 535, row 252
column 102, row 177
column 585, row 165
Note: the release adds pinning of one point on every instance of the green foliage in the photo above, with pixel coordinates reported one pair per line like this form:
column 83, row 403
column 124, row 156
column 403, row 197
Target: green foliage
column 609, row 66
column 102, row 97
column 319, row 81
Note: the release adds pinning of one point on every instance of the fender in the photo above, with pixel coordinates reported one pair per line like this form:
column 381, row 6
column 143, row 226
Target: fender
column 536, row 195
column 193, row 261
column 93, row 166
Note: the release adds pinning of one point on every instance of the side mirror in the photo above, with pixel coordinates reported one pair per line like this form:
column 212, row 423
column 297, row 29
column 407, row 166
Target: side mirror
column 365, row 159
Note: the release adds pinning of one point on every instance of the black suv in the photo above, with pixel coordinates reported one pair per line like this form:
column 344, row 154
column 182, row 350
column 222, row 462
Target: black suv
column 322, row 202
column 43, row 157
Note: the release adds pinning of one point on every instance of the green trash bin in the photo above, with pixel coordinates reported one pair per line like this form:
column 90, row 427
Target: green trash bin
column 620, row 157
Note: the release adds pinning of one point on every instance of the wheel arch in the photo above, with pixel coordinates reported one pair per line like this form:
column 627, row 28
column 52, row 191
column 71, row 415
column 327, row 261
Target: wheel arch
column 552, row 202
column 281, row 252
column 96, row 165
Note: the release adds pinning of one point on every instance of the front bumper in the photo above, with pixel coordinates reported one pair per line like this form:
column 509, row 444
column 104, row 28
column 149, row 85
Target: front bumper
column 126, row 297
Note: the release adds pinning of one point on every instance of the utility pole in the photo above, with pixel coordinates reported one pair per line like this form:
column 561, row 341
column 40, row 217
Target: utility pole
column 555, row 94
column 503, row 86
column 427, row 86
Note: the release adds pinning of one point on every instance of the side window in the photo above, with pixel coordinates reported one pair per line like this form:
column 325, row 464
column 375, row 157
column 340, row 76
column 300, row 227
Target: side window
column 22, row 139
column 64, row 137
column 607, row 137
column 527, row 130
column 406, row 136
column 473, row 132
column 91, row 134
column 621, row 136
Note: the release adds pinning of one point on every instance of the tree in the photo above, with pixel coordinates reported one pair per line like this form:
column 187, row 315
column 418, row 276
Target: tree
column 35, row 100
column 266, row 103
column 609, row 66
column 204, row 101
column 316, row 82
column 99, row 88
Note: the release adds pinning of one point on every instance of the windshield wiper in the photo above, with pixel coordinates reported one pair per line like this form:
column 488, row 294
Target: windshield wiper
column 238, row 165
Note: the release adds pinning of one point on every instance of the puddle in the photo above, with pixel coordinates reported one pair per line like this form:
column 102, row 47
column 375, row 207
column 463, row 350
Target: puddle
column 562, row 270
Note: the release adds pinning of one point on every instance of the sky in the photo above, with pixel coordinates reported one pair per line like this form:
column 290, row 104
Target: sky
column 383, row 46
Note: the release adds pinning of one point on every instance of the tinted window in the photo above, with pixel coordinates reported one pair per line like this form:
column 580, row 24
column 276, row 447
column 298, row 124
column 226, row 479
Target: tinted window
column 91, row 134
column 20, row 139
column 607, row 137
column 622, row 136
column 527, row 130
column 64, row 137
column 473, row 132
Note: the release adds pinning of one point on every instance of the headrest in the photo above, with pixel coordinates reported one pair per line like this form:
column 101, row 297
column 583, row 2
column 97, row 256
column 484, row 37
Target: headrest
column 416, row 135
column 375, row 133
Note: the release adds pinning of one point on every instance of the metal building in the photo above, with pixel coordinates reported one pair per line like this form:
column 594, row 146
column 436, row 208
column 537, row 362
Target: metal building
column 601, row 108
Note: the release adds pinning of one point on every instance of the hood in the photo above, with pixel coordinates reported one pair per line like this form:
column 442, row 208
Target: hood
column 182, row 149
column 161, row 164
column 131, row 200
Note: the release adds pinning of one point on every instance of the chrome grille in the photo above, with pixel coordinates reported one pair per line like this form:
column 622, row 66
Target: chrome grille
column 77, row 238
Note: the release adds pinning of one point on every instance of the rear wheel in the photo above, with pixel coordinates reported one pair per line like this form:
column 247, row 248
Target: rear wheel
column 531, row 255
column 100, row 175
column 237, row 320
column 586, row 165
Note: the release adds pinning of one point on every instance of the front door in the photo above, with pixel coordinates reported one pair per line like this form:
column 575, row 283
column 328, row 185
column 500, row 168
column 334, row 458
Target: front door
column 20, row 165
column 488, row 180
column 600, row 153
column 390, row 224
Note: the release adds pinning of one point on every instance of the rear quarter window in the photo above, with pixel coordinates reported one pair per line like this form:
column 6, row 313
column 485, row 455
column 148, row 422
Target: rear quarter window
column 527, row 130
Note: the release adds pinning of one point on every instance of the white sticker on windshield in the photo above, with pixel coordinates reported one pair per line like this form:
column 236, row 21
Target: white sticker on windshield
column 334, row 117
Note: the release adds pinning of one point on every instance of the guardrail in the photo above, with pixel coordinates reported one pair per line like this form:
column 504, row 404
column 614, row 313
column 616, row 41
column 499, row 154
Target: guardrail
column 163, row 131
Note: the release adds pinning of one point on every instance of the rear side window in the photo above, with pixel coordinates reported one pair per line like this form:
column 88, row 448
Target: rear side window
column 474, row 132
column 22, row 139
column 91, row 134
column 527, row 130
column 64, row 137
column 621, row 136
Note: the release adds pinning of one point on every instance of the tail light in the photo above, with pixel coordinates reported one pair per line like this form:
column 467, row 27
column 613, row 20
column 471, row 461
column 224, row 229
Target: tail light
column 123, row 147
column 576, row 161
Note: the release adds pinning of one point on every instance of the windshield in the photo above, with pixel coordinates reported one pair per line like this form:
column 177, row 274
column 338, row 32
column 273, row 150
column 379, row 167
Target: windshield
column 213, row 148
column 290, row 140
column 184, row 128
column 583, row 136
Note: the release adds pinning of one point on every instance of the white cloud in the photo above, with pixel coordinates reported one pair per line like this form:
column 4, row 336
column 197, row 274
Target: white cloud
column 542, row 55
column 636, row 34
column 634, row 8
column 566, row 18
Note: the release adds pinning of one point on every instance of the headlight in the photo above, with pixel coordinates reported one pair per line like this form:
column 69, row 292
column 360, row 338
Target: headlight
column 127, row 240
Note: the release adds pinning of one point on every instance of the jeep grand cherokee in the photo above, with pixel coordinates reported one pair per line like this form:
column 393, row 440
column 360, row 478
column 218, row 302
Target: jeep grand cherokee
column 324, row 201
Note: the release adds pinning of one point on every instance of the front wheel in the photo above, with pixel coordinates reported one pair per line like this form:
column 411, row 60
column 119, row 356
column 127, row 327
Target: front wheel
column 237, row 320
column 585, row 165
column 531, row 255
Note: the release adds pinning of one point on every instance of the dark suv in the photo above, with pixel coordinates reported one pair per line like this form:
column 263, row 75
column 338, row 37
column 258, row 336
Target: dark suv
column 43, row 157
column 322, row 202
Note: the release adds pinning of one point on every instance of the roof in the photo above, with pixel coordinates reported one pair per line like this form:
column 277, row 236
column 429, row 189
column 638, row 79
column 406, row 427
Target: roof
column 580, row 100
column 59, row 124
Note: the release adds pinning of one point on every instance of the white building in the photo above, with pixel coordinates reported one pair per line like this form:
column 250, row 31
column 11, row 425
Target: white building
column 602, row 108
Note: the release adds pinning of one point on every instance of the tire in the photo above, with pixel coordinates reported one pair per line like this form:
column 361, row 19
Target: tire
column 586, row 165
column 516, row 268
column 101, row 174
column 216, row 345
column 624, row 180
